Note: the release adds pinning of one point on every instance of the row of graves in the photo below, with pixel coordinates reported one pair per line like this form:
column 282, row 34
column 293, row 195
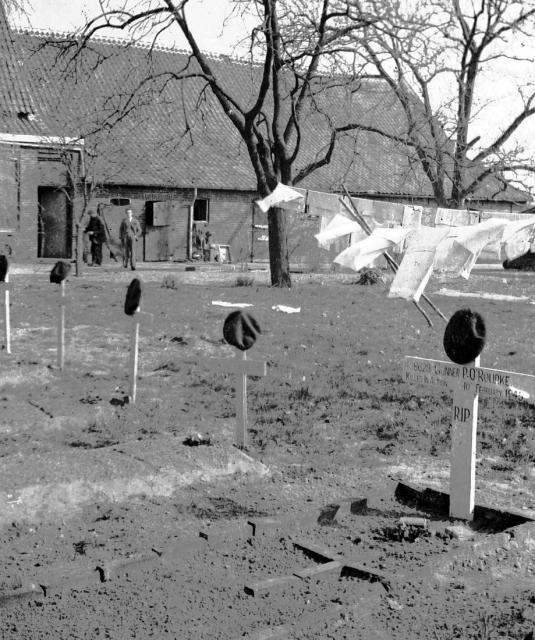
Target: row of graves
column 464, row 340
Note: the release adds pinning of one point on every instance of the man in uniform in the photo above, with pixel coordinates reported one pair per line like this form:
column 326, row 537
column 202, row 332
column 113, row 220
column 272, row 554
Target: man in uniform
column 128, row 233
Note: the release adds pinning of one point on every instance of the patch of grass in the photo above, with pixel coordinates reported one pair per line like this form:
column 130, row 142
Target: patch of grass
column 170, row 282
column 244, row 281
column 370, row 276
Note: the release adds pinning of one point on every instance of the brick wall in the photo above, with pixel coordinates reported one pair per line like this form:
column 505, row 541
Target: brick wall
column 26, row 244
column 230, row 219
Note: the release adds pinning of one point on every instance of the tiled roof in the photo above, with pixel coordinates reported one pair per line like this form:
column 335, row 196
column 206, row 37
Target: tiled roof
column 17, row 112
column 179, row 136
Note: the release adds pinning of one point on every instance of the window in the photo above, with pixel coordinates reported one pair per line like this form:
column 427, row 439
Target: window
column 120, row 202
column 200, row 211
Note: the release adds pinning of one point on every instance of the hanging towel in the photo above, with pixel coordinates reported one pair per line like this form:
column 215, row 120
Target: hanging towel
column 417, row 264
column 337, row 227
column 458, row 256
column 283, row 197
column 363, row 253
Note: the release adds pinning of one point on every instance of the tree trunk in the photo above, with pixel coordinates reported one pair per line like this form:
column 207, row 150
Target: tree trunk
column 278, row 248
column 78, row 249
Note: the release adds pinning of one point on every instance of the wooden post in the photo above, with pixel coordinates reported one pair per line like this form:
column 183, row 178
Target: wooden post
column 463, row 448
column 242, row 367
column 134, row 350
column 139, row 317
column 7, row 314
column 468, row 383
column 61, row 326
column 241, row 406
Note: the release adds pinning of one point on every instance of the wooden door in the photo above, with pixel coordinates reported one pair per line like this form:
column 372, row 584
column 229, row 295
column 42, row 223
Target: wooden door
column 54, row 224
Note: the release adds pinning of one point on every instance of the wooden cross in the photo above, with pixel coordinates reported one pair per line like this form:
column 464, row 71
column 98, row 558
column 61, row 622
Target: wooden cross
column 241, row 367
column 468, row 382
column 62, row 303
column 6, row 287
column 139, row 317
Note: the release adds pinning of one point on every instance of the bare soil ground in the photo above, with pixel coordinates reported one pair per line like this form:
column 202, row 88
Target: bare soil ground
column 333, row 419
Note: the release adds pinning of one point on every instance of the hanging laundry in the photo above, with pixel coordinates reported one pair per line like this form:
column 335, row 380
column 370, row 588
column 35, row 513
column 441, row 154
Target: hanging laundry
column 412, row 220
column 452, row 217
column 283, row 197
column 320, row 203
column 518, row 236
column 417, row 264
column 412, row 216
column 363, row 253
column 458, row 256
column 337, row 227
column 380, row 213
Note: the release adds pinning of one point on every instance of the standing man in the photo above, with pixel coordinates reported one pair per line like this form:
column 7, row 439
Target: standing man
column 128, row 233
column 95, row 231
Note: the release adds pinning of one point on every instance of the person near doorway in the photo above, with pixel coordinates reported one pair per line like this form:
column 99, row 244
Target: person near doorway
column 206, row 244
column 128, row 233
column 95, row 231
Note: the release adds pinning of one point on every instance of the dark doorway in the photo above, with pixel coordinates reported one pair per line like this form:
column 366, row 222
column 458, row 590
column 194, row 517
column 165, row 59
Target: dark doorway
column 54, row 224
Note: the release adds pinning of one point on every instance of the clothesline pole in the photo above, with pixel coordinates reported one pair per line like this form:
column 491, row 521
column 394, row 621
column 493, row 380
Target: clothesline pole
column 393, row 264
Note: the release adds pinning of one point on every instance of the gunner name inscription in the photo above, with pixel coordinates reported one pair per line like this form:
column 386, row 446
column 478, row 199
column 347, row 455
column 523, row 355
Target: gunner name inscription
column 487, row 383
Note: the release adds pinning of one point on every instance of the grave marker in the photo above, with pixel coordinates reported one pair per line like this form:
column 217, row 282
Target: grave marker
column 240, row 330
column 6, row 287
column 467, row 381
column 58, row 275
column 132, row 308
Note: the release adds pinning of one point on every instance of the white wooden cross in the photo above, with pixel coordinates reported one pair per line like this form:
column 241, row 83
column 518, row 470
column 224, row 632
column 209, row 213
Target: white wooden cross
column 139, row 317
column 468, row 382
column 62, row 303
column 242, row 368
column 6, row 288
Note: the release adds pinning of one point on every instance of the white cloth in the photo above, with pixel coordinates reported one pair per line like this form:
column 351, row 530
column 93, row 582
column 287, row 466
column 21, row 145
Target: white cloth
column 412, row 220
column 320, row 203
column 452, row 217
column 339, row 226
column 283, row 197
column 458, row 255
column 285, row 309
column 237, row 305
column 417, row 264
column 517, row 237
column 363, row 253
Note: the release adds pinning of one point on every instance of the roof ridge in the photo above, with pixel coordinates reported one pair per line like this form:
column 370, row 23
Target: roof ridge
column 44, row 33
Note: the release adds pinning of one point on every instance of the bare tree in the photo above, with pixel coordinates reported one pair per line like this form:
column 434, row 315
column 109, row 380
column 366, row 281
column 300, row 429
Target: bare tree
column 85, row 182
column 435, row 56
column 292, row 48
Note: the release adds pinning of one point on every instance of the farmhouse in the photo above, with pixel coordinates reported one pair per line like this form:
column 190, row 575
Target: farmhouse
column 170, row 153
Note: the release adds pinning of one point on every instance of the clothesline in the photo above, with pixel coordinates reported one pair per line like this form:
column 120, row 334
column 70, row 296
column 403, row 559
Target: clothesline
column 445, row 241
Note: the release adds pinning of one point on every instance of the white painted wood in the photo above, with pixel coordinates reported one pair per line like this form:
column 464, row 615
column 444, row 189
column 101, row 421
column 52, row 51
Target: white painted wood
column 239, row 365
column 467, row 382
column 242, row 367
column 241, row 405
column 488, row 382
column 134, row 350
column 7, row 314
column 463, row 449
column 61, row 326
